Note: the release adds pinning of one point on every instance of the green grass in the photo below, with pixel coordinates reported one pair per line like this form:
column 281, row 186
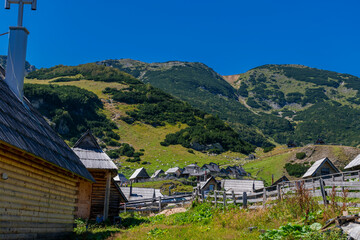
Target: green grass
column 143, row 136
column 164, row 186
column 265, row 167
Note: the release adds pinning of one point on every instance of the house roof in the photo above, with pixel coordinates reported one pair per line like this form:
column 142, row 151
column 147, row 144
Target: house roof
column 157, row 173
column 193, row 165
column 91, row 154
column 140, row 173
column 23, row 127
column 280, row 180
column 120, row 178
column 172, row 170
column 240, row 186
column 203, row 184
column 212, row 167
column 354, row 163
column 140, row 193
column 313, row 169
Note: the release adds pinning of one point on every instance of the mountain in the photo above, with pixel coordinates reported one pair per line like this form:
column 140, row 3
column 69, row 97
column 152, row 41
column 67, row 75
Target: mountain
column 28, row 66
column 204, row 89
column 136, row 122
column 268, row 104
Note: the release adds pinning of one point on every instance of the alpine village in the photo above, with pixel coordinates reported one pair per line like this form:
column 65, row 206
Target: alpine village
column 124, row 149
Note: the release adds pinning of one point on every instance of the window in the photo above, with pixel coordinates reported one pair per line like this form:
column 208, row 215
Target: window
column 325, row 171
column 211, row 187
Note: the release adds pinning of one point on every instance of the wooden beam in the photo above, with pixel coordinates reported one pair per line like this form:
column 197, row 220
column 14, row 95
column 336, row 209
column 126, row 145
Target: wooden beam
column 107, row 195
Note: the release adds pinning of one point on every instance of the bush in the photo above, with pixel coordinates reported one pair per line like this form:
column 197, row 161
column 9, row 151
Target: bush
column 296, row 169
column 300, row 155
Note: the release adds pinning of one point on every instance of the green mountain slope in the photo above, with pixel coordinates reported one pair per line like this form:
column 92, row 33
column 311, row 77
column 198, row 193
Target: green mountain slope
column 318, row 103
column 137, row 123
column 203, row 88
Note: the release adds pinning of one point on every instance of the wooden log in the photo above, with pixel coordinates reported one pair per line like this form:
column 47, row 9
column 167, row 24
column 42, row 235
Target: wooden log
column 33, row 219
column 159, row 204
column 202, row 196
column 323, row 192
column 45, row 209
column 264, row 197
column 215, row 192
column 224, row 198
column 233, row 196
column 107, row 196
column 244, row 200
column 278, row 192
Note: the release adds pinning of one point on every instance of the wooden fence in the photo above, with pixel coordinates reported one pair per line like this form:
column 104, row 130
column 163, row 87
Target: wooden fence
column 155, row 204
column 342, row 185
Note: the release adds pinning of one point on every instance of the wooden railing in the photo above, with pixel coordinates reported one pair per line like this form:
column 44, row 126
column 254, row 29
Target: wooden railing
column 155, row 204
column 345, row 185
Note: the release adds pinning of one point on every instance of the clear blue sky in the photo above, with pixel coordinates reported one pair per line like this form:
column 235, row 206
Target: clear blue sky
column 229, row 36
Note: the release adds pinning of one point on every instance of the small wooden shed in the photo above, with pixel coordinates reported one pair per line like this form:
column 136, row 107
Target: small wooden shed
column 158, row 173
column 354, row 164
column 103, row 198
column 139, row 174
column 321, row 167
column 174, row 172
column 209, row 185
column 39, row 174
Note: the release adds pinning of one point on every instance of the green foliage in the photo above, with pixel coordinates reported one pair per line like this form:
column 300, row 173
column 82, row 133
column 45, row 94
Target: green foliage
column 300, row 155
column 124, row 150
column 268, row 149
column 90, row 71
column 72, row 110
column 157, row 108
column 296, row 169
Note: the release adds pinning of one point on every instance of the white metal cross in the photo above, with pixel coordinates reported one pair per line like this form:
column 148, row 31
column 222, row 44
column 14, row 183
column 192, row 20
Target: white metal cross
column 21, row 7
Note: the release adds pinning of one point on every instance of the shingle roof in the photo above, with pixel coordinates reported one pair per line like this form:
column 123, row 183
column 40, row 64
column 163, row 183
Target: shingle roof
column 240, row 186
column 120, row 178
column 316, row 165
column 157, row 173
column 91, row 154
column 140, row 172
column 172, row 170
column 140, row 193
column 212, row 167
column 23, row 127
column 354, row 163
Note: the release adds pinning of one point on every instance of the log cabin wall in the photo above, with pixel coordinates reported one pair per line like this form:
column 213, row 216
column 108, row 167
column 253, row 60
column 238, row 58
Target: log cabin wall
column 84, row 201
column 37, row 200
column 98, row 193
column 115, row 199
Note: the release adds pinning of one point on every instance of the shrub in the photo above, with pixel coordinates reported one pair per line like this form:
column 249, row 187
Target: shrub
column 300, row 155
column 296, row 169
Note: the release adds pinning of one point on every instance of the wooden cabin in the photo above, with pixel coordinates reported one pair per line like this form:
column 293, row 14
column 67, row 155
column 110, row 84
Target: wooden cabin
column 173, row 172
column 121, row 180
column 158, row 173
column 139, row 174
column 321, row 167
column 240, row 186
column 354, row 164
column 40, row 176
column 101, row 200
column 136, row 193
column 209, row 185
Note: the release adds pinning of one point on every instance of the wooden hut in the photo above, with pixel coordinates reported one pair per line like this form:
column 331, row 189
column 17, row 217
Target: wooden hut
column 121, row 180
column 103, row 198
column 157, row 173
column 136, row 193
column 321, row 167
column 209, row 185
column 139, row 174
column 240, row 186
column 39, row 174
column 173, row 172
column 354, row 164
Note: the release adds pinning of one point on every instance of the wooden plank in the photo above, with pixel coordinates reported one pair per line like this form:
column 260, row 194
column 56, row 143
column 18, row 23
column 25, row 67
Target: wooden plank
column 12, row 205
column 107, row 195
column 34, row 219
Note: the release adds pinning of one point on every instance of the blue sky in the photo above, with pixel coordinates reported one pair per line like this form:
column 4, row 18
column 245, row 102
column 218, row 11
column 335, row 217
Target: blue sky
column 229, row 36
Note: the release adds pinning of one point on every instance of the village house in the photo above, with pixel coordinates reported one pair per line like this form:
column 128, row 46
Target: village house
column 209, row 185
column 102, row 199
column 139, row 175
column 121, row 180
column 173, row 172
column 321, row 167
column 193, row 170
column 236, row 172
column 136, row 193
column 40, row 176
column 239, row 186
column 212, row 168
column 354, row 164
column 158, row 173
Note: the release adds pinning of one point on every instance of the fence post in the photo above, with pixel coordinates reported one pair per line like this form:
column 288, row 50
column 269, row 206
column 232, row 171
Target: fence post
column 343, row 180
column 313, row 183
column 125, row 207
column 278, row 192
column 224, row 198
column 323, row 192
column 359, row 175
column 202, row 196
column 215, row 193
column 233, row 197
column 264, row 197
column 159, row 204
column 244, row 200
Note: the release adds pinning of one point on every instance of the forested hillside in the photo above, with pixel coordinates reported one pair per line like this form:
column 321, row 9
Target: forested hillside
column 279, row 103
column 72, row 110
